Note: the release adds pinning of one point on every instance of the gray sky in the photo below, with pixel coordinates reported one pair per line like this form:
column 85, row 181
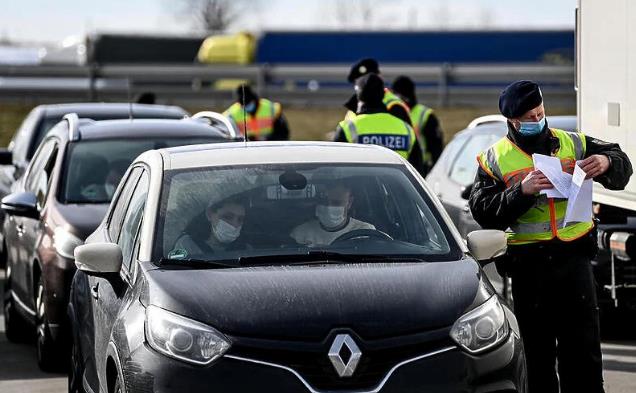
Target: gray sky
column 53, row 20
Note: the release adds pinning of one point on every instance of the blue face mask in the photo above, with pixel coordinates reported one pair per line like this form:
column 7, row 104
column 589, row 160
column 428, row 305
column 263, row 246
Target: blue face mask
column 530, row 128
column 250, row 107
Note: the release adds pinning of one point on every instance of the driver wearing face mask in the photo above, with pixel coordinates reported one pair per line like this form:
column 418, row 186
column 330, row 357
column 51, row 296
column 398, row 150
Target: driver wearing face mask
column 222, row 221
column 332, row 219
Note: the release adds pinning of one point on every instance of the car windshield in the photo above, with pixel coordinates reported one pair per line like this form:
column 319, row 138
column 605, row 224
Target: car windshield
column 263, row 214
column 94, row 168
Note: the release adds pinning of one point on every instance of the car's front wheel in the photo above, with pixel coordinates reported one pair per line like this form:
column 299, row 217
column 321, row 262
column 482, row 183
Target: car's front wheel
column 48, row 351
column 76, row 369
column 15, row 327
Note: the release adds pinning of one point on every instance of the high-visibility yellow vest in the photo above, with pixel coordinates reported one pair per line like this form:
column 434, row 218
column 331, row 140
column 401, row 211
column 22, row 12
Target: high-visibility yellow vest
column 506, row 162
column 389, row 100
column 381, row 129
column 419, row 117
column 259, row 125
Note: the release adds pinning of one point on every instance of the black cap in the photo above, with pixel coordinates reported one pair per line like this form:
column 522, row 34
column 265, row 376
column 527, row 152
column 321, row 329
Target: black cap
column 249, row 94
column 370, row 89
column 404, row 87
column 518, row 98
column 363, row 67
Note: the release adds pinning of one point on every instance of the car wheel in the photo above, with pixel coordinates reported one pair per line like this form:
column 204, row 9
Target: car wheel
column 15, row 327
column 47, row 350
column 76, row 369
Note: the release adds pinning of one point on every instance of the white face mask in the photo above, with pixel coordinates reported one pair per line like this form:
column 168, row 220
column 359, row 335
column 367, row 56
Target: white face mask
column 225, row 232
column 330, row 216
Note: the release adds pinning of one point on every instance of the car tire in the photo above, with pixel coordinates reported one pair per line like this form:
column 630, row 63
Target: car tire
column 49, row 353
column 76, row 369
column 15, row 327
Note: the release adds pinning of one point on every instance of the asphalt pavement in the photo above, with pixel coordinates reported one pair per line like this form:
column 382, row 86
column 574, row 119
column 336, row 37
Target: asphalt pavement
column 19, row 372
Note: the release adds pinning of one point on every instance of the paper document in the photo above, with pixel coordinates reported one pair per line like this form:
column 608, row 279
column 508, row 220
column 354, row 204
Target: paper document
column 574, row 188
column 580, row 199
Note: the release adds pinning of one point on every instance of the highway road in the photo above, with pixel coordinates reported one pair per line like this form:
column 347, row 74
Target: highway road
column 19, row 372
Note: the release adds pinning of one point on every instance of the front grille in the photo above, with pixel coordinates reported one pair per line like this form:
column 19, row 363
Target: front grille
column 311, row 362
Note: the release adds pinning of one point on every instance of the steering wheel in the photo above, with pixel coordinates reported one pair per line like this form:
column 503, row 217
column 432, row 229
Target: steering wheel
column 362, row 233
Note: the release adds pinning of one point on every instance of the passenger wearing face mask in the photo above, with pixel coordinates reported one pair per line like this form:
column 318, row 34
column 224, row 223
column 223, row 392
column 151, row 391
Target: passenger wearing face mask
column 548, row 259
column 264, row 118
column 332, row 219
column 214, row 231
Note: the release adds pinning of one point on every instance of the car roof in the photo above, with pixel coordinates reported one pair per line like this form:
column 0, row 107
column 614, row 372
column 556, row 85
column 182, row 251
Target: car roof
column 254, row 153
column 141, row 128
column 566, row 122
column 109, row 109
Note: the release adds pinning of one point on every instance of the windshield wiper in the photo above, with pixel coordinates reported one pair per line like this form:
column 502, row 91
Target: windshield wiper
column 321, row 257
column 197, row 263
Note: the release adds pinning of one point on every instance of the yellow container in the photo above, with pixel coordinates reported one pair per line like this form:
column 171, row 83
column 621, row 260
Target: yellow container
column 229, row 49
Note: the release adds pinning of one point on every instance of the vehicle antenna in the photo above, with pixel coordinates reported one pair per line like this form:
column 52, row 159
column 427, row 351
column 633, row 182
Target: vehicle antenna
column 244, row 114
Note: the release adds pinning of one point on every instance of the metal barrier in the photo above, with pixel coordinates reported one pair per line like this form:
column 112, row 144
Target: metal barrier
column 441, row 84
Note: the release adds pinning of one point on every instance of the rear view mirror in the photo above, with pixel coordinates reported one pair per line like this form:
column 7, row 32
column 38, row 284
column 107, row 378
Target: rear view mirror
column 21, row 204
column 487, row 244
column 98, row 258
column 6, row 156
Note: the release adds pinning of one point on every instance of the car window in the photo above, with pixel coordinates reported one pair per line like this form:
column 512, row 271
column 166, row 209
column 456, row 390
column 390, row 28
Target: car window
column 40, row 172
column 119, row 209
column 464, row 168
column 226, row 213
column 132, row 219
column 22, row 139
column 450, row 152
column 95, row 167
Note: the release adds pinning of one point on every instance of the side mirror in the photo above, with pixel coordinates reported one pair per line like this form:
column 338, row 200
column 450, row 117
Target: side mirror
column 466, row 190
column 487, row 244
column 6, row 156
column 98, row 258
column 21, row 204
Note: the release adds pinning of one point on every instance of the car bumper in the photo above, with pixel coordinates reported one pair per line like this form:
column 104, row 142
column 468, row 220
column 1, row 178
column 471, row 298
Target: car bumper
column 448, row 369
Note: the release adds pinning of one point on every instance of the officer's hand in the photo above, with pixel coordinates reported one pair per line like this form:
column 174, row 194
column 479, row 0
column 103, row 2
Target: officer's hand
column 534, row 182
column 595, row 165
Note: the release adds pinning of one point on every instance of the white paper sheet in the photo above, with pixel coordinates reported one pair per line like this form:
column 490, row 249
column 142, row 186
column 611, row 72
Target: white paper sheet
column 551, row 168
column 580, row 199
column 575, row 188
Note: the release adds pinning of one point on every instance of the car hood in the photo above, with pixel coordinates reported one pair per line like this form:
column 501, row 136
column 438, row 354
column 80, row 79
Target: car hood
column 80, row 219
column 307, row 302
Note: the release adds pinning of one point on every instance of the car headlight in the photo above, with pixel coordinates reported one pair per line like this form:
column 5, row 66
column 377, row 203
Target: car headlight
column 183, row 338
column 65, row 242
column 481, row 328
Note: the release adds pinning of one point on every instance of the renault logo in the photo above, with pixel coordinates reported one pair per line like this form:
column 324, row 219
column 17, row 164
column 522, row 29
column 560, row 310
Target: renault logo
column 344, row 355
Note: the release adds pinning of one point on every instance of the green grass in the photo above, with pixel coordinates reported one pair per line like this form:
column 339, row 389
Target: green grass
column 305, row 123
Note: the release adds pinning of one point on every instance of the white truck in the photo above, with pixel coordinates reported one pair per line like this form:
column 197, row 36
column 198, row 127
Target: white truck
column 606, row 107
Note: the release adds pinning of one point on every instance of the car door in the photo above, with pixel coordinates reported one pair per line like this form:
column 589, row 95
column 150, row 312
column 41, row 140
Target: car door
column 20, row 230
column 108, row 294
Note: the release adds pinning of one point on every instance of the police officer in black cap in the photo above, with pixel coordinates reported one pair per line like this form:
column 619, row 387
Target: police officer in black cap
column 394, row 104
column 548, row 259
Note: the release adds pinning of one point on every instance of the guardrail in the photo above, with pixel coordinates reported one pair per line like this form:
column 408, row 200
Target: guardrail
column 441, row 85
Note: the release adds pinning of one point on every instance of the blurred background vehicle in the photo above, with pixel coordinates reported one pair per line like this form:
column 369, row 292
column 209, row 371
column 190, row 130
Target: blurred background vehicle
column 61, row 198
column 15, row 158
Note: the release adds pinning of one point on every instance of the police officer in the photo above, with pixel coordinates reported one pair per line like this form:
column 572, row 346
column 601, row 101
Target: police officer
column 549, row 262
column 423, row 119
column 264, row 119
column 394, row 104
column 373, row 124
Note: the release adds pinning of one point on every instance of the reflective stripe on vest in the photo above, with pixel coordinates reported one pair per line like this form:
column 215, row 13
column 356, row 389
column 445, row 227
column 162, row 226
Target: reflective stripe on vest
column 259, row 126
column 506, row 162
column 380, row 129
